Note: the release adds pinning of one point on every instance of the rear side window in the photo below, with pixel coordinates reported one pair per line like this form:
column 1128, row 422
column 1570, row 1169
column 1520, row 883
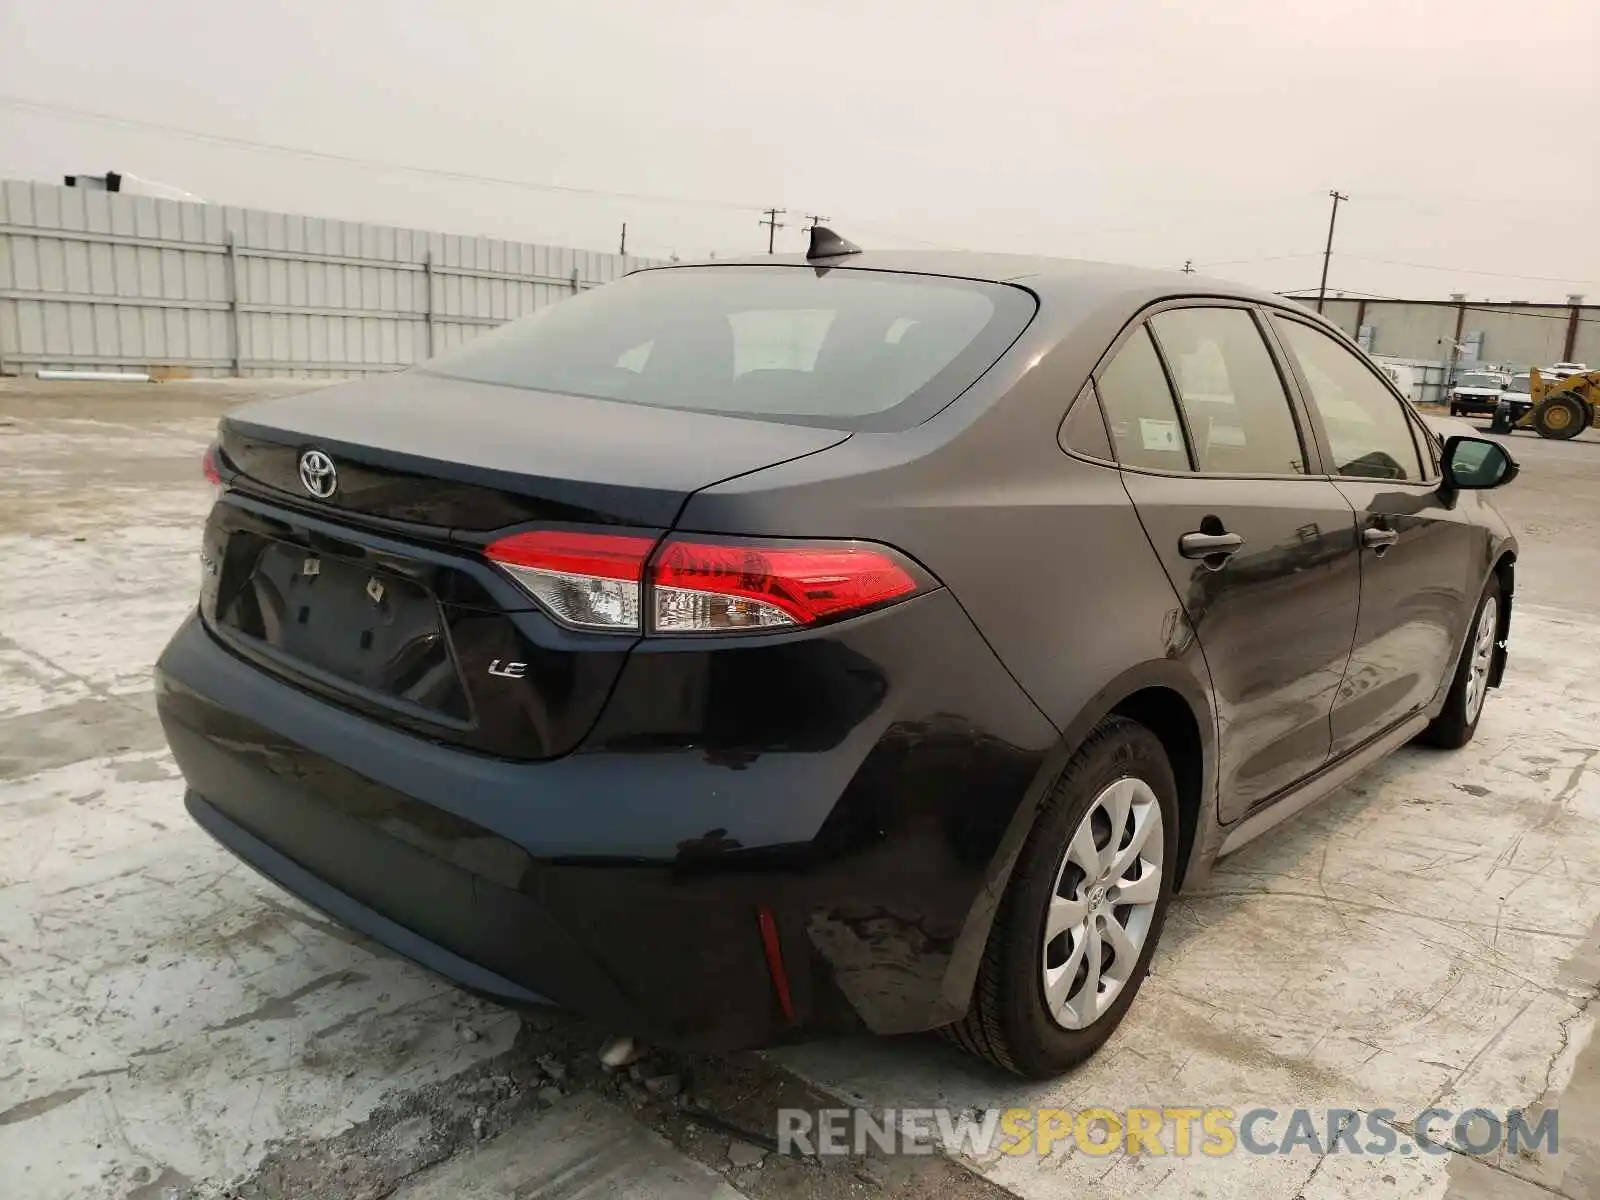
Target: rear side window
column 1084, row 430
column 851, row 349
column 1368, row 431
column 1144, row 424
column 1232, row 396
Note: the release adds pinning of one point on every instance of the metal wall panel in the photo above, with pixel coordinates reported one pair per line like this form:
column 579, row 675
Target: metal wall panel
column 99, row 280
column 1522, row 335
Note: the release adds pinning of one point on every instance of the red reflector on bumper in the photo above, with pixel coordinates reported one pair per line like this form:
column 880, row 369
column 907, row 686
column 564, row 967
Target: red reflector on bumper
column 775, row 967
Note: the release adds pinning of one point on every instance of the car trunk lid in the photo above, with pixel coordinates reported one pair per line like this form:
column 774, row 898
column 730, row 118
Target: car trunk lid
column 421, row 449
column 376, row 594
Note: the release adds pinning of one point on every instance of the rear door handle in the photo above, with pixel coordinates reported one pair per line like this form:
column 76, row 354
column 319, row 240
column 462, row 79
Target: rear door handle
column 1209, row 545
column 1379, row 538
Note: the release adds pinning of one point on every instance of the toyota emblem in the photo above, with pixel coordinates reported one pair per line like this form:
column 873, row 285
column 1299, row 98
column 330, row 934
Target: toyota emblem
column 317, row 474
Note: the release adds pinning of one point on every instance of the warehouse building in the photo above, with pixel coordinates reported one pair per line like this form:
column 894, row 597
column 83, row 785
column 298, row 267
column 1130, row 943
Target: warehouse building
column 1440, row 339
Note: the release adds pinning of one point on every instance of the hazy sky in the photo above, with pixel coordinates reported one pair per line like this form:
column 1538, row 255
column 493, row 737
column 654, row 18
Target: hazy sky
column 1131, row 130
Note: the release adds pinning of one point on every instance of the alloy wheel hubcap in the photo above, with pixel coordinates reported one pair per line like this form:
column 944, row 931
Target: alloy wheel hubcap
column 1481, row 656
column 1106, row 888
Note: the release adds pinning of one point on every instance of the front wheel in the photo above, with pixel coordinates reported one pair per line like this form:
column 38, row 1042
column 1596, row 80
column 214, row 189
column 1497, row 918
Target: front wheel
column 1458, row 720
column 1562, row 417
column 1079, row 921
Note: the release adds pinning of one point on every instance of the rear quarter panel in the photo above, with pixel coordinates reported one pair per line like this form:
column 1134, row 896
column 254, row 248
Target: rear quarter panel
column 1043, row 551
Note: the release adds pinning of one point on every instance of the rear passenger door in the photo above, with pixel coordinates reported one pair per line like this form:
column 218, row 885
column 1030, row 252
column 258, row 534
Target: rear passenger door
column 1261, row 553
column 1422, row 559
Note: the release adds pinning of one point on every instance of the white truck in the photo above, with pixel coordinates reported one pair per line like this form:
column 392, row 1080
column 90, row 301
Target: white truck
column 1477, row 392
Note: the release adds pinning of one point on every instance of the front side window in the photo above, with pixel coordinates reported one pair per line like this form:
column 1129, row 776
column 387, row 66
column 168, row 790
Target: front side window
column 1232, row 397
column 1145, row 429
column 1368, row 431
column 851, row 349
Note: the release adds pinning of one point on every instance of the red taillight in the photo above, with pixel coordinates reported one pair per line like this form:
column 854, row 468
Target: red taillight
column 702, row 587
column 602, row 555
column 607, row 581
column 590, row 580
column 208, row 464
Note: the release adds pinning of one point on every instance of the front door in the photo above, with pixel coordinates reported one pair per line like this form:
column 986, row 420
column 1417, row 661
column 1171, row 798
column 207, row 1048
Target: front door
column 1421, row 563
column 1262, row 558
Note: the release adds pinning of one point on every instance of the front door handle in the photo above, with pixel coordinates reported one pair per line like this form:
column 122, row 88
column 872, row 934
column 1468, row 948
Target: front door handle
column 1379, row 538
column 1209, row 545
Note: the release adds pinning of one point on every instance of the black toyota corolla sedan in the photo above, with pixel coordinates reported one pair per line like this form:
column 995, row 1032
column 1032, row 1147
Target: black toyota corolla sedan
column 858, row 641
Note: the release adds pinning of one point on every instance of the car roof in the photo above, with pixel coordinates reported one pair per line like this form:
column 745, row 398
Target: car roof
column 1079, row 281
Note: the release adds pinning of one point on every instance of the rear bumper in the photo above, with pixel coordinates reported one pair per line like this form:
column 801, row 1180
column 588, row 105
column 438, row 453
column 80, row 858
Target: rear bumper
column 626, row 882
column 317, row 892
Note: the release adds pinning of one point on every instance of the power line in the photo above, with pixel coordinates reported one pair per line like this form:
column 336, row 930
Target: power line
column 1233, row 262
column 870, row 223
column 1395, row 262
column 352, row 160
column 1346, row 292
column 250, row 144
column 1059, row 236
column 1492, row 308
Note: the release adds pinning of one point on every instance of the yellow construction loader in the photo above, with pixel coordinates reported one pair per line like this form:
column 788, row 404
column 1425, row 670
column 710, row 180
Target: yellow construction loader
column 1560, row 407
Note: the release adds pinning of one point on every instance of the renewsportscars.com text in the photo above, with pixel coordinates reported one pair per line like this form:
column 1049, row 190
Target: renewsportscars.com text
column 1180, row 1131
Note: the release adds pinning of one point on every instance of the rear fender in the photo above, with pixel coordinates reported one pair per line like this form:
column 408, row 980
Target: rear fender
column 1185, row 675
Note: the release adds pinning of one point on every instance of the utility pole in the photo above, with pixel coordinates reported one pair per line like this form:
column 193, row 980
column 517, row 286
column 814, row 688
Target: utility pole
column 1188, row 266
column 1460, row 299
column 1327, row 253
column 773, row 224
column 812, row 221
column 622, row 248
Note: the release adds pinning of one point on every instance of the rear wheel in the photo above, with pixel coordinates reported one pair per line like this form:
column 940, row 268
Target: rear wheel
column 1563, row 417
column 1079, row 921
column 1458, row 720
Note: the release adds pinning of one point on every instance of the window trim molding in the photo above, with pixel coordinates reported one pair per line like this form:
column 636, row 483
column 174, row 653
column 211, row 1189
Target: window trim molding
column 1316, row 458
column 1133, row 329
column 1089, row 393
column 1309, row 451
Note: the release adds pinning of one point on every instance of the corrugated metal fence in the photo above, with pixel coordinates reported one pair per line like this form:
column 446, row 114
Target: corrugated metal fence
column 101, row 280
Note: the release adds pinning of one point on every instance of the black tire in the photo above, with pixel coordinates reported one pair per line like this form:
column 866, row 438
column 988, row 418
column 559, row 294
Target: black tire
column 1452, row 728
column 1455, row 411
column 1499, row 424
column 1008, row 1023
column 1561, row 417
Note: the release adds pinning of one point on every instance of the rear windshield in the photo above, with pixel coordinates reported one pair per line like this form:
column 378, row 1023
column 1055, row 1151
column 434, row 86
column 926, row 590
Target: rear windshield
column 843, row 348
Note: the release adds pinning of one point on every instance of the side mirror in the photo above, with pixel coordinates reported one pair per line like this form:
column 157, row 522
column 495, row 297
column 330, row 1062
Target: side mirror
column 1476, row 463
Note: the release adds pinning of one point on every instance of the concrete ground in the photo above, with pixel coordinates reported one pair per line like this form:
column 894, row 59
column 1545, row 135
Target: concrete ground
column 171, row 1025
